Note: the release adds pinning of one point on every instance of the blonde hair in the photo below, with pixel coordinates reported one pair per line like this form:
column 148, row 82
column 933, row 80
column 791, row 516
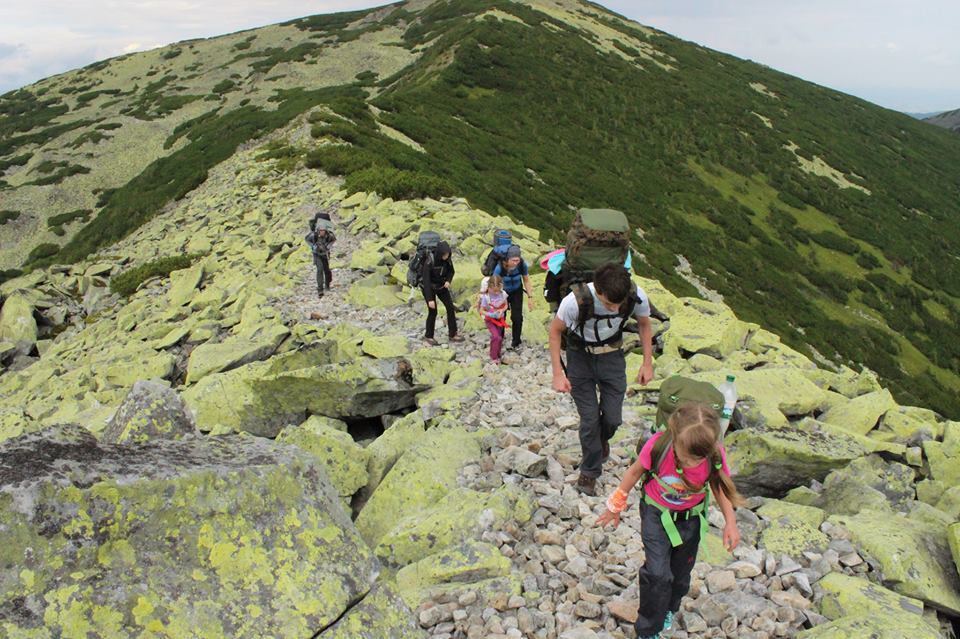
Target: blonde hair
column 495, row 282
column 694, row 429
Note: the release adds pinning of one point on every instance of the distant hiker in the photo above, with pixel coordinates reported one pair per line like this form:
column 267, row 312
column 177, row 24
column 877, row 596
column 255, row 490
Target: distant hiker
column 319, row 240
column 590, row 321
column 492, row 305
column 516, row 281
column 436, row 274
column 677, row 470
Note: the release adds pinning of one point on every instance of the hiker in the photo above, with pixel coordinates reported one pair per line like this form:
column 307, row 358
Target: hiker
column 516, row 281
column 677, row 470
column 591, row 319
column 319, row 240
column 492, row 305
column 436, row 274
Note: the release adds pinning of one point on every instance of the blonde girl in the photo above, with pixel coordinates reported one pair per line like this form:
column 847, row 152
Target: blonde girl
column 492, row 306
column 678, row 470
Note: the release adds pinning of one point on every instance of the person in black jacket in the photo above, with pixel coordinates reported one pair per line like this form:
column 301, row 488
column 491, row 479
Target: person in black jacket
column 436, row 275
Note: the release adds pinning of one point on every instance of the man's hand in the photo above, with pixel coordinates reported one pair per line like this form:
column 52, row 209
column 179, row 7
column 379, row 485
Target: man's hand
column 645, row 374
column 560, row 383
column 608, row 518
column 431, row 304
column 731, row 536
column 529, row 303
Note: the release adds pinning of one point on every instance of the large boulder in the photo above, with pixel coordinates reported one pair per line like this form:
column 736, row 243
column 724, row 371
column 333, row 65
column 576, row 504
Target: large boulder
column 17, row 325
column 771, row 461
column 234, row 352
column 344, row 459
column 890, row 624
column 860, row 415
column 225, row 537
column 381, row 615
column 953, row 537
column 914, row 556
column 792, row 528
column 698, row 326
column 150, row 411
column 423, row 476
column 844, row 595
column 263, row 397
column 868, row 482
column 911, row 425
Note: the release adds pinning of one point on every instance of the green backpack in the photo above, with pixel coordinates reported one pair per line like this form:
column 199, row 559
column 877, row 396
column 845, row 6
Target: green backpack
column 678, row 390
column 597, row 237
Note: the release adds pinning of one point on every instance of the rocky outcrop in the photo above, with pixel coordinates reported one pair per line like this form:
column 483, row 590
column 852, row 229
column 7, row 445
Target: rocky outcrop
column 150, row 411
column 222, row 534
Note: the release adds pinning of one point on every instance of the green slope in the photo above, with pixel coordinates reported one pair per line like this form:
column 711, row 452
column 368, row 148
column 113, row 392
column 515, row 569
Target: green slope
column 822, row 217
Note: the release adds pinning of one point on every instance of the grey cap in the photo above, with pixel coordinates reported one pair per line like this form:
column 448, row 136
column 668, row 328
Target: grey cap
column 513, row 251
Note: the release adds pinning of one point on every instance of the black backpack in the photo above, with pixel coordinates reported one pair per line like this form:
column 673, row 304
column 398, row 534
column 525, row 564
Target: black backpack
column 426, row 243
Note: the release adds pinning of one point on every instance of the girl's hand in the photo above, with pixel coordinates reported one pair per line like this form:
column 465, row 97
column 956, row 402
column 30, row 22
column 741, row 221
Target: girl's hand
column 608, row 517
column 731, row 536
column 431, row 304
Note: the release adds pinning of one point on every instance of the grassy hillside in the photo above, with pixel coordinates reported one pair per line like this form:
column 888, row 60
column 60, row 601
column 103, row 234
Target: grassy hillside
column 822, row 217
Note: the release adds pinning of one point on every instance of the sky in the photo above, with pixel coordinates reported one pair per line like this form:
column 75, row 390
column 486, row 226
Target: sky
column 901, row 55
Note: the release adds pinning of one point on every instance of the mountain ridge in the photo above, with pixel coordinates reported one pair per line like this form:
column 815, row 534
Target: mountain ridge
column 830, row 234
column 947, row 119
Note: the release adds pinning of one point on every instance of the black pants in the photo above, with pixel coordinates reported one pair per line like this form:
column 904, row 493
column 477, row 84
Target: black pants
column 665, row 575
column 443, row 295
column 599, row 418
column 515, row 301
column 324, row 275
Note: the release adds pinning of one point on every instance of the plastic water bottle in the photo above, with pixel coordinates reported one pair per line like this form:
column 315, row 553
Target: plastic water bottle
column 729, row 392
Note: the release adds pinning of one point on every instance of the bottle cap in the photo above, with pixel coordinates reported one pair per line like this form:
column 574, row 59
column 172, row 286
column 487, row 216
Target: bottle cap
column 731, row 378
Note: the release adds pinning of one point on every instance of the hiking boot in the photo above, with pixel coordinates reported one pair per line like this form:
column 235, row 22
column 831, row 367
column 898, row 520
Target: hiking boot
column 587, row 485
column 668, row 621
column 456, row 338
column 431, row 341
column 320, row 295
column 606, row 453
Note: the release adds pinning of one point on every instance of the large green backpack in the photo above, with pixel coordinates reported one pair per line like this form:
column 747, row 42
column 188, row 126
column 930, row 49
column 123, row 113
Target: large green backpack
column 597, row 237
column 678, row 390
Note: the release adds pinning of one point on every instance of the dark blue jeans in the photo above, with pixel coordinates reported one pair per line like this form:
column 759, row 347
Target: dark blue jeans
column 665, row 575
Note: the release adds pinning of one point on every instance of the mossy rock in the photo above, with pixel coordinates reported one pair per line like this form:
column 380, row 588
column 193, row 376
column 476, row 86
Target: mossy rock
column 183, row 284
column 868, row 482
column 382, row 614
column 344, row 459
column 861, row 414
column 944, row 462
column 953, row 537
column 471, row 565
column 911, row 425
column 792, row 528
column 914, row 556
column 845, row 595
column 460, row 515
column 18, row 327
column 698, row 326
column 232, row 353
column 422, row 476
column 385, row 450
column 215, row 537
column 149, row 412
column 771, row 461
column 891, row 625
column 386, row 346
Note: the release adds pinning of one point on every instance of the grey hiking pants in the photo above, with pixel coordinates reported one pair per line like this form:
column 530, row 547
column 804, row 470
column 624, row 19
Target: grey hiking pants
column 599, row 417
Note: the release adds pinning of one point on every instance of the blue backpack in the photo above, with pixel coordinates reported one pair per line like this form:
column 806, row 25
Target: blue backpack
column 502, row 240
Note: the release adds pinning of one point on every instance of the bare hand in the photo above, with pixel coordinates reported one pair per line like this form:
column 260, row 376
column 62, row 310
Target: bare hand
column 431, row 304
column 561, row 384
column 645, row 374
column 731, row 536
column 446, row 285
column 530, row 303
column 608, row 518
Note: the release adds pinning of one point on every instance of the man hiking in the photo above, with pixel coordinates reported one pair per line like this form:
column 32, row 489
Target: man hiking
column 592, row 319
column 319, row 241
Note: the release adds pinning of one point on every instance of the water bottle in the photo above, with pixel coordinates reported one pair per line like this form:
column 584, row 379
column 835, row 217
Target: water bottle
column 729, row 392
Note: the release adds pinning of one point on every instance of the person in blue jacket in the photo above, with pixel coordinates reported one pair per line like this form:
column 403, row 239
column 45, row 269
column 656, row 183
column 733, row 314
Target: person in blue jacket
column 516, row 280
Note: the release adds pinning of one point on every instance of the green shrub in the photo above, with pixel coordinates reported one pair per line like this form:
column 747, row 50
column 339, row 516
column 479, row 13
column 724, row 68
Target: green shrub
column 171, row 54
column 9, row 274
column 224, row 86
column 831, row 240
column 57, row 222
column 126, row 283
column 341, row 130
column 868, row 260
column 341, row 160
column 42, row 251
column 8, row 216
column 398, row 184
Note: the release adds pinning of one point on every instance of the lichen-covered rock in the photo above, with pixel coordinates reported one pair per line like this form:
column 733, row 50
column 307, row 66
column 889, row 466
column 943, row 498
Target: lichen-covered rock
column 460, row 515
column 471, row 565
column 432, row 366
column 953, row 537
column 382, row 296
column 381, row 615
column 861, row 414
column 844, row 595
column 315, row 421
column 887, row 625
column 150, row 411
column 183, row 283
column 17, row 324
column 868, row 482
column 792, row 528
column 462, row 385
column 261, row 398
column 772, row 394
column 698, row 326
column 418, row 480
column 771, row 461
column 214, row 537
column 344, row 459
column 944, row 462
column 126, row 370
column 234, row 352
column 911, row 425
column 386, row 346
column 385, row 450
column 914, row 556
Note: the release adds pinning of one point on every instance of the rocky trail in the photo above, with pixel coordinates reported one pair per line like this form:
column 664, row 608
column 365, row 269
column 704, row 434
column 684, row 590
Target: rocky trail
column 221, row 432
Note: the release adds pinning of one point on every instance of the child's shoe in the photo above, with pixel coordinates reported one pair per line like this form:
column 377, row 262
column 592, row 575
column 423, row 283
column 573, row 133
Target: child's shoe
column 668, row 621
